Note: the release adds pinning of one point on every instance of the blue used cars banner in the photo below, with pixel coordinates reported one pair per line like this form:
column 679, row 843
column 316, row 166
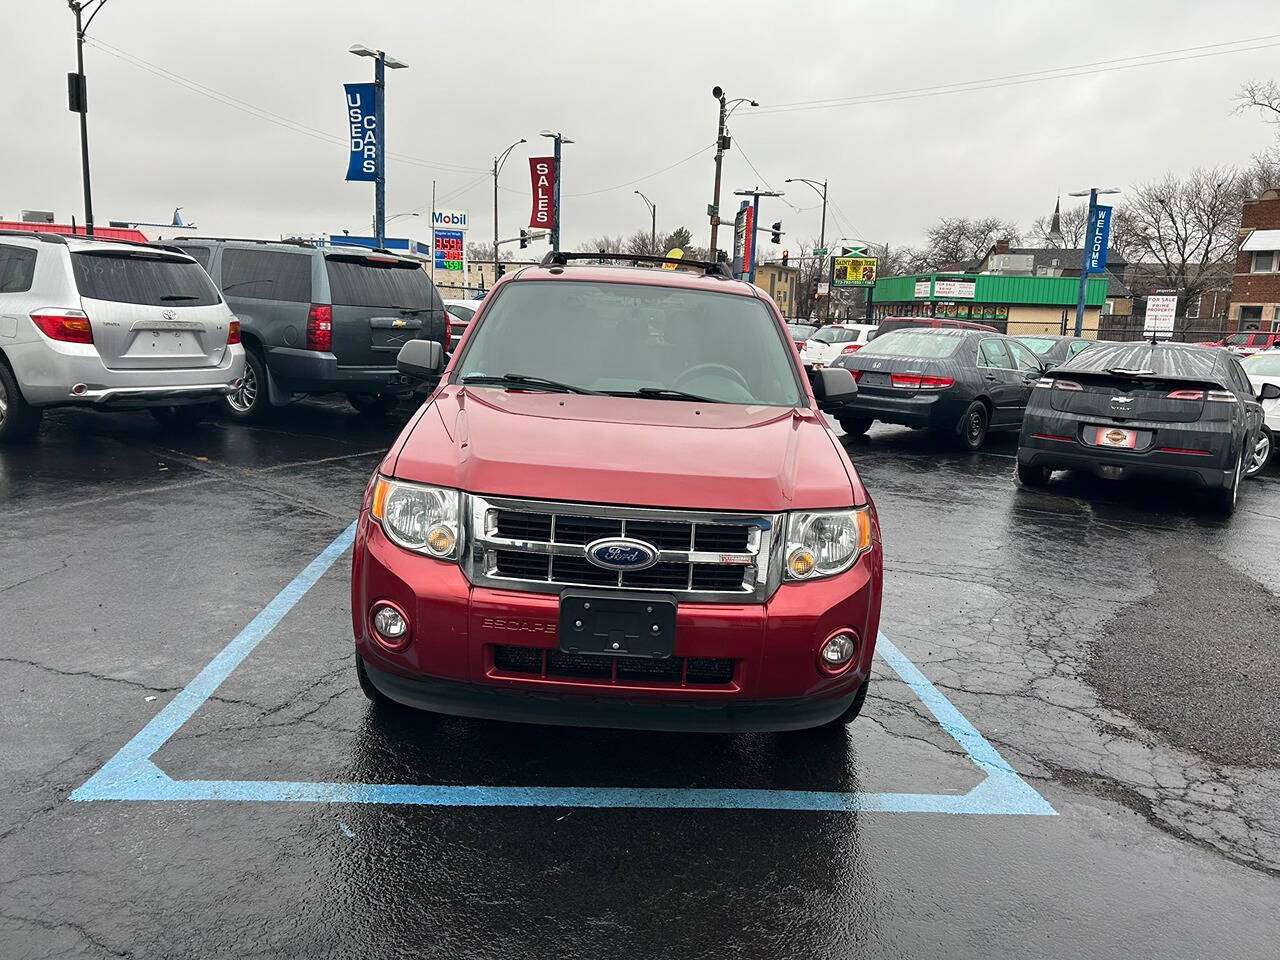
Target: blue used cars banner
column 362, row 128
column 1098, row 237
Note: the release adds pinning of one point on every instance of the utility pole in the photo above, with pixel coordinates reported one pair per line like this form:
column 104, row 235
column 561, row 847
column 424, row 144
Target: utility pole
column 653, row 220
column 1092, row 194
column 79, row 102
column 498, row 163
column 380, row 63
column 433, row 236
column 722, row 144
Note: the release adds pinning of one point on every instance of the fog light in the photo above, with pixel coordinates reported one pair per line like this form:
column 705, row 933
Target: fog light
column 390, row 626
column 837, row 652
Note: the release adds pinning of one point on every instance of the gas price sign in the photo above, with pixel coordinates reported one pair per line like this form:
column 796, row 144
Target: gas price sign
column 448, row 249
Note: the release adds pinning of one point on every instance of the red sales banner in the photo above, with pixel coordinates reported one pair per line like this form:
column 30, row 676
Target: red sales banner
column 542, row 171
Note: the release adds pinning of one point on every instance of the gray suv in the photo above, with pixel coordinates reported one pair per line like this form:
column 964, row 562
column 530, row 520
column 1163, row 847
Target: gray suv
column 109, row 325
column 321, row 319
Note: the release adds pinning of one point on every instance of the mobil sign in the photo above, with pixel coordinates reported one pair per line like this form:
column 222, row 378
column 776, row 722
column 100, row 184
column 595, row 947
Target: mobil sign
column 449, row 220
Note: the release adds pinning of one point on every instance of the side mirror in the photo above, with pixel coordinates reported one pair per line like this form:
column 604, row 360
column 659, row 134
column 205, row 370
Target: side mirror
column 420, row 359
column 832, row 385
column 1269, row 391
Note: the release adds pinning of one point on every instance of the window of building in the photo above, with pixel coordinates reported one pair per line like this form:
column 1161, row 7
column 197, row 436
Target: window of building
column 1265, row 261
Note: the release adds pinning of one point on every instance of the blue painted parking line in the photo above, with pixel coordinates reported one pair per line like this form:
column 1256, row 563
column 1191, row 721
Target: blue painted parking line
column 132, row 775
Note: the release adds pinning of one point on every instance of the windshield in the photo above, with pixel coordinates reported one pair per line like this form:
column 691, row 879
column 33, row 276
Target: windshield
column 834, row 335
column 801, row 331
column 927, row 345
column 1039, row 345
column 623, row 338
column 1263, row 364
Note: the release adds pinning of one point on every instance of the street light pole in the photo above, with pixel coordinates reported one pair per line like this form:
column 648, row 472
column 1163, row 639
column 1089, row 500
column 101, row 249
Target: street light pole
column 80, row 105
column 653, row 220
column 380, row 64
column 721, row 146
column 1092, row 194
column 822, row 234
column 498, row 163
column 560, row 139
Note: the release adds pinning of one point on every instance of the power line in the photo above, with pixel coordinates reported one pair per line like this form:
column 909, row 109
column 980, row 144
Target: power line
column 1019, row 79
column 259, row 112
column 647, row 176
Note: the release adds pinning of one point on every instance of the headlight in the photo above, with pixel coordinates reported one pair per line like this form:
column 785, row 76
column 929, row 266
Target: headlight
column 418, row 517
column 824, row 544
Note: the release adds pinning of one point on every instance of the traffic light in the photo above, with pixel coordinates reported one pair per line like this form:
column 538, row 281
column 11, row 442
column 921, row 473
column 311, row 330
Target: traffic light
column 786, row 255
column 777, row 232
column 524, row 239
column 502, row 269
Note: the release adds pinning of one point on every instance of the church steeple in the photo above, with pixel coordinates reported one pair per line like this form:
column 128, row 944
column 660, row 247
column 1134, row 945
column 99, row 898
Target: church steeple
column 1055, row 228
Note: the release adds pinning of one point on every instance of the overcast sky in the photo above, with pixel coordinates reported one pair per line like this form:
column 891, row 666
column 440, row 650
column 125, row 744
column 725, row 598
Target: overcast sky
column 630, row 82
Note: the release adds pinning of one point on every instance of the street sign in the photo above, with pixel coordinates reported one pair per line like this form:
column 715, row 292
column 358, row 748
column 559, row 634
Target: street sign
column 854, row 272
column 363, row 132
column 1161, row 310
column 820, row 251
column 823, row 289
column 744, row 240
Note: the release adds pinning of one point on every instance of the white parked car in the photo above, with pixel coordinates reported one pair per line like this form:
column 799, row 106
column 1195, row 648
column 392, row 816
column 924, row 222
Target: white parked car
column 829, row 342
column 110, row 326
column 460, row 314
column 1264, row 368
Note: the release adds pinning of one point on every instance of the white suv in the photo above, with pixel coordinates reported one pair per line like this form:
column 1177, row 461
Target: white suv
column 109, row 325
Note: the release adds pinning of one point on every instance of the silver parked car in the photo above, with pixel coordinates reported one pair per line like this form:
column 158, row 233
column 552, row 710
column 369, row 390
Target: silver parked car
column 109, row 325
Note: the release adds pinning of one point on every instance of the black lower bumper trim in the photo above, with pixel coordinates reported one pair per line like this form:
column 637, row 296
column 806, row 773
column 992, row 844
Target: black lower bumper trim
column 470, row 700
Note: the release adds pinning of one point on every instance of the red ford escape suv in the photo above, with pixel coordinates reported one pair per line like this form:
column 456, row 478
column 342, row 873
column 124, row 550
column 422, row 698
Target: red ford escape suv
column 621, row 507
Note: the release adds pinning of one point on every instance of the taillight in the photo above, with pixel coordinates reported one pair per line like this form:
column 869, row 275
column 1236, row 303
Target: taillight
column 320, row 327
column 920, row 381
column 852, row 348
column 856, row 374
column 1067, row 385
column 233, row 332
column 1185, row 395
column 1221, row 396
column 69, row 326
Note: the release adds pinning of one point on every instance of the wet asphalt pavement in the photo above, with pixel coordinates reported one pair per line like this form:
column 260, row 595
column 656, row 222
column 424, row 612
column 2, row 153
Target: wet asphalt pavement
column 1115, row 645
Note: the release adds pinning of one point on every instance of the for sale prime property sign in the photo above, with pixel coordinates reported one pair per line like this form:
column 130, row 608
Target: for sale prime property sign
column 1162, row 307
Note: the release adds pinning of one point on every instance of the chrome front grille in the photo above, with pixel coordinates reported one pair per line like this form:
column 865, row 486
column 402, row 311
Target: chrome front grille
column 541, row 546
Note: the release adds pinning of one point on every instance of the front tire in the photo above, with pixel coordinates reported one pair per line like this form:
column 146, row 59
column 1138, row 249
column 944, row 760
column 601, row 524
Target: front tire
column 973, row 426
column 1263, row 451
column 19, row 420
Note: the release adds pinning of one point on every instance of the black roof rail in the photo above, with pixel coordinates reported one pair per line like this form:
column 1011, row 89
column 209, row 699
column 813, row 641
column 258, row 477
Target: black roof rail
column 561, row 258
column 293, row 241
column 44, row 235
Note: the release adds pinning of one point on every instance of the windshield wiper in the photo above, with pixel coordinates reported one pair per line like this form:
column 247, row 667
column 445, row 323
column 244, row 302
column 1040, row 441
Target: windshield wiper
column 663, row 393
column 524, row 380
column 179, row 296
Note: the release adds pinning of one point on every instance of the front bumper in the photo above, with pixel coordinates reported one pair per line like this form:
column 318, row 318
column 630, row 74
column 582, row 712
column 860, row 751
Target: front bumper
column 47, row 374
column 450, row 664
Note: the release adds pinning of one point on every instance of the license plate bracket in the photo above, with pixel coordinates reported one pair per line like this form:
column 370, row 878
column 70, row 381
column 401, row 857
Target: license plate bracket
column 617, row 623
column 1115, row 437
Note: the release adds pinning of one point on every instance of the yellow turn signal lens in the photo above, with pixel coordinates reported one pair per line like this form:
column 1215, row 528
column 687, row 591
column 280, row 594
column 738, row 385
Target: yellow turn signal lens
column 801, row 562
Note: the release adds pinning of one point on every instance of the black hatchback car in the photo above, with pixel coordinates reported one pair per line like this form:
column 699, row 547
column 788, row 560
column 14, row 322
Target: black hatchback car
column 953, row 380
column 1163, row 410
column 1053, row 349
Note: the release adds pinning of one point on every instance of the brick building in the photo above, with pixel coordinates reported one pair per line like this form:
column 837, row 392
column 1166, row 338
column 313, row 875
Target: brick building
column 1255, row 297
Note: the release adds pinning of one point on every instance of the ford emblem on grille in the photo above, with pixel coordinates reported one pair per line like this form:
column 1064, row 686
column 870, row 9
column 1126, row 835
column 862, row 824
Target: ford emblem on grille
column 622, row 553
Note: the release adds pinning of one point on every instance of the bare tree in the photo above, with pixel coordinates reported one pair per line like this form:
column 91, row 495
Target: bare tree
column 1186, row 228
column 1262, row 173
column 1260, row 95
column 605, row 242
column 482, row 252
column 957, row 239
column 641, row 243
column 1072, row 222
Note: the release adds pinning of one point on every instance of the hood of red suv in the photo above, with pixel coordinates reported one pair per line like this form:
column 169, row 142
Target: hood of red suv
column 622, row 450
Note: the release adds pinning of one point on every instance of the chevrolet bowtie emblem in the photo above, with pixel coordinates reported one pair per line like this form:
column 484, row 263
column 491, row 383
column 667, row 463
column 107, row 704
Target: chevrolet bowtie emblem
column 399, row 323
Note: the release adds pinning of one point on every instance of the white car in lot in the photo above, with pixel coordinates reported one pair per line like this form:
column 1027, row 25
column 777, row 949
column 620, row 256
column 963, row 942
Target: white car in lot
column 109, row 325
column 829, row 342
column 1264, row 368
column 460, row 314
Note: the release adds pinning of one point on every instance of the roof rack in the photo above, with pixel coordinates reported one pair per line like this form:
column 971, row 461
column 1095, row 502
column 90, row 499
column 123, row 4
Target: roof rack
column 36, row 234
column 293, row 241
column 560, row 258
